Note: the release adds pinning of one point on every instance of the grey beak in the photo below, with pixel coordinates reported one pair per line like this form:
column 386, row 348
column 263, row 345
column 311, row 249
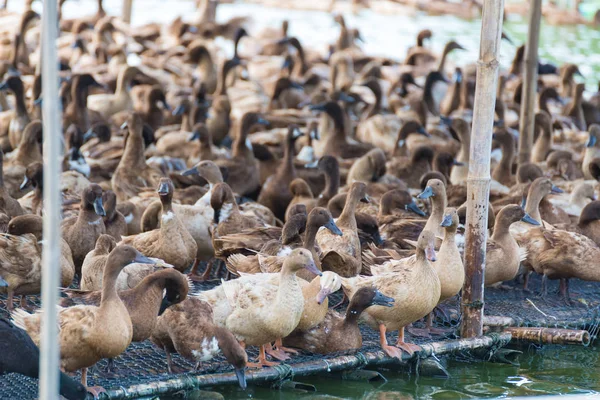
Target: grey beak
column 333, row 228
column 529, row 219
column 124, row 125
column 191, row 171
column 241, row 377
column 382, row 300
column 142, row 259
column 25, row 184
column 556, row 190
column 427, row 193
column 447, row 221
column 415, row 208
column 88, row 135
column 313, row 164
column 98, row 207
column 163, row 189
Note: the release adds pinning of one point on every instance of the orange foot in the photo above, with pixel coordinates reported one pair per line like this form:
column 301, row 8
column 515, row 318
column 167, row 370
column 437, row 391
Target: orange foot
column 262, row 364
column 392, row 351
column 277, row 353
column 96, row 390
column 408, row 347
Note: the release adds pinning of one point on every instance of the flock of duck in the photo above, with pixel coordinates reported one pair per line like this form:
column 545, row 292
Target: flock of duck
column 292, row 173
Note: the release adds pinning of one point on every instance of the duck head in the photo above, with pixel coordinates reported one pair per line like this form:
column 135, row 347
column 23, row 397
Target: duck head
column 433, row 175
column 528, row 172
column 593, row 132
column 34, row 176
column 157, row 95
column 426, row 245
column 175, row 285
column 399, row 199
column 26, row 224
column 300, row 188
column 13, row 84
column 513, row 213
column 590, row 213
column 450, row 219
column 434, row 188
column 234, row 353
column 207, row 170
column 320, row 216
column 299, row 259
column 109, row 201
column 101, row 131
column 165, row 190
column 368, row 228
column 330, row 282
column 369, row 296
column 123, row 255
column 200, row 133
column 91, row 199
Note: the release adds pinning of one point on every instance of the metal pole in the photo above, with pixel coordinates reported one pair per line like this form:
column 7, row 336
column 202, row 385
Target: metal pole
column 478, row 181
column 127, row 6
column 49, row 346
column 530, row 76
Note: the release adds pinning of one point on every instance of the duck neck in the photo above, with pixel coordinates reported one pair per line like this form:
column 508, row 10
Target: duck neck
column 167, row 208
column 376, row 107
column 439, row 204
column 109, row 290
column 122, row 82
column 20, row 106
column 501, row 230
column 508, row 154
column 442, row 64
column 353, row 313
column 288, row 283
column 332, row 183
column 532, row 207
column 287, row 169
column 240, row 147
column 134, row 151
column 348, row 218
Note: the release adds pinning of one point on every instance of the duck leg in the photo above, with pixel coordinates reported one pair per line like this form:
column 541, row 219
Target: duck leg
column 421, row 332
column 169, row 361
column 262, row 360
column 387, row 349
column 9, row 300
column 194, row 275
column 544, row 291
column 526, row 281
column 564, row 291
column 344, row 299
column 24, row 303
column 407, row 347
column 436, row 331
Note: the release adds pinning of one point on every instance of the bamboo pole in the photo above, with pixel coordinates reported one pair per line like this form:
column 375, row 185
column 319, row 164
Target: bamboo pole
column 321, row 365
column 549, row 335
column 527, row 115
column 478, row 181
column 126, row 15
column 49, row 346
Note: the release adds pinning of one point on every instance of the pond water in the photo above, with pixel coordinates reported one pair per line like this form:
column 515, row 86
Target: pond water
column 551, row 370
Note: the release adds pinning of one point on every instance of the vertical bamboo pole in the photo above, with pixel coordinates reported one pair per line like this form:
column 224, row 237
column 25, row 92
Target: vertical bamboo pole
column 49, row 346
column 127, row 6
column 478, row 182
column 530, row 76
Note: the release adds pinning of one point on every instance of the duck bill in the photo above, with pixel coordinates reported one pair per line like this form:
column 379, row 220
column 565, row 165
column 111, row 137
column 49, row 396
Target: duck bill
column 314, row 134
column 422, row 131
column 333, row 228
column 317, row 107
column 427, row 193
column 195, row 136
column 529, row 219
column 25, row 184
column 163, row 189
column 3, row 283
column 312, row 267
column 381, row 299
column 262, row 121
column 191, row 171
column 38, row 101
column 346, row 98
column 447, row 221
column 458, row 163
column 88, row 135
column 241, row 377
column 556, row 190
column 322, row 295
column 413, row 207
column 179, row 110
column 296, row 85
column 165, row 303
column 430, row 253
column 591, row 142
column 377, row 239
column 446, row 120
column 98, row 207
column 365, row 199
column 166, row 105
column 313, row 164
column 124, row 126
column 297, row 133
column 142, row 259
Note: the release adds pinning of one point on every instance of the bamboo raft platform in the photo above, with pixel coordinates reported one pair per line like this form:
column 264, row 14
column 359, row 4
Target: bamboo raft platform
column 511, row 315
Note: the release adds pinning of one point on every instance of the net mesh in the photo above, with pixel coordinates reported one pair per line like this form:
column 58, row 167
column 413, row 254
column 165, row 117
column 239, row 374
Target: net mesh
column 144, row 363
